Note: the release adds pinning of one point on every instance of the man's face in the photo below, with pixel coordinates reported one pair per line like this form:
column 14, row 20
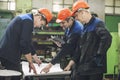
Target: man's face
column 78, row 16
column 64, row 24
column 81, row 16
column 40, row 22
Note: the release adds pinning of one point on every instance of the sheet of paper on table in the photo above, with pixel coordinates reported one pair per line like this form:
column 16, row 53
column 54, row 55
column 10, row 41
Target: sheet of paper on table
column 54, row 69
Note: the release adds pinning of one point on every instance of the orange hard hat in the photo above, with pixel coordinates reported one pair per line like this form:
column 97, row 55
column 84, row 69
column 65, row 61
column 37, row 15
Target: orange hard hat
column 46, row 13
column 63, row 14
column 79, row 4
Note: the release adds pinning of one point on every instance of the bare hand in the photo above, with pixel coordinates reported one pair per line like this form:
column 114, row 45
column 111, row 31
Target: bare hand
column 67, row 68
column 37, row 60
column 32, row 67
column 47, row 68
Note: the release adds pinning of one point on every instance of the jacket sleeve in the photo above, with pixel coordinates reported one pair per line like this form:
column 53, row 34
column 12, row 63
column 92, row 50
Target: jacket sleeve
column 67, row 49
column 71, row 41
column 26, row 37
column 77, row 52
column 105, row 38
column 32, row 49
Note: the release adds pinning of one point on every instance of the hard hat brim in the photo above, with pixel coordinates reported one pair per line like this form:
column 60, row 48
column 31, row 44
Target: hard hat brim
column 73, row 13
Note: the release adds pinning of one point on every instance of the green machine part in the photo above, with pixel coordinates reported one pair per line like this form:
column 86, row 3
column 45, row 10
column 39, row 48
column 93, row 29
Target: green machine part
column 112, row 55
column 119, row 49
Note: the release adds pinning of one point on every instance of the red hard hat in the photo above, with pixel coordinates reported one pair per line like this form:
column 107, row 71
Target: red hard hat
column 46, row 13
column 79, row 4
column 63, row 14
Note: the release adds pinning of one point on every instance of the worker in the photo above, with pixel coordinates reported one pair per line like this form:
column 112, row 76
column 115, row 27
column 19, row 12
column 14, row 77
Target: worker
column 73, row 30
column 90, row 56
column 18, row 38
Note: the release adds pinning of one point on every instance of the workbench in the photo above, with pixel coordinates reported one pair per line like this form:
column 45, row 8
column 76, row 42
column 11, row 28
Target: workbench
column 7, row 74
column 55, row 72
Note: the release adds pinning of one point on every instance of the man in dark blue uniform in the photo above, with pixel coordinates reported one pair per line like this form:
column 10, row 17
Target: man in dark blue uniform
column 90, row 56
column 17, row 39
column 73, row 31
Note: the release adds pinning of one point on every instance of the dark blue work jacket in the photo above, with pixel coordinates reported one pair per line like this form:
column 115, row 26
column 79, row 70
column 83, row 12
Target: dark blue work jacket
column 17, row 39
column 90, row 56
column 71, row 37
